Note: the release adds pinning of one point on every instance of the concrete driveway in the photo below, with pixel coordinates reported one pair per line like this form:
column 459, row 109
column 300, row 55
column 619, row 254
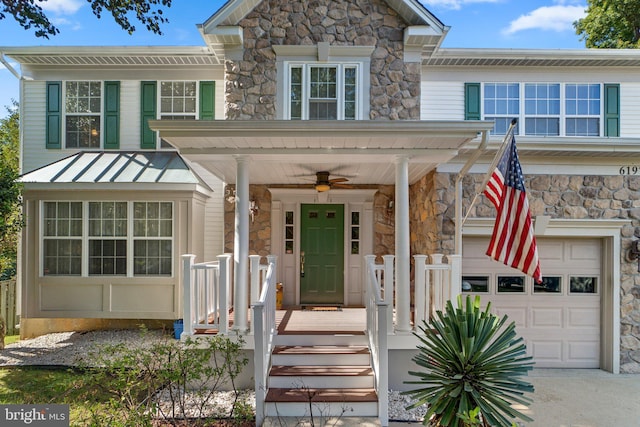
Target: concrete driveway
column 581, row 398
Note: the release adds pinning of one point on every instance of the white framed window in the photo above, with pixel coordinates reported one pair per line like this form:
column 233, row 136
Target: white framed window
column 62, row 238
column 152, row 238
column 544, row 109
column 582, row 109
column 107, row 238
column 319, row 91
column 501, row 104
column 83, row 111
column 178, row 100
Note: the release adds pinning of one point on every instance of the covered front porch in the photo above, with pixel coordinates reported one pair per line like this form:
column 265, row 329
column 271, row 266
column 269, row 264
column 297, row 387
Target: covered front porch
column 333, row 334
column 397, row 290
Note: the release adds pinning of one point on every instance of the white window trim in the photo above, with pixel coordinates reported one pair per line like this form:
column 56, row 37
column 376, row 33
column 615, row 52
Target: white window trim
column 562, row 116
column 159, row 108
column 323, row 54
column 340, row 98
column 85, row 239
column 64, row 114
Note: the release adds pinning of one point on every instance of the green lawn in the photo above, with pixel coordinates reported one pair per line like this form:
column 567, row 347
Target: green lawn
column 10, row 339
column 33, row 385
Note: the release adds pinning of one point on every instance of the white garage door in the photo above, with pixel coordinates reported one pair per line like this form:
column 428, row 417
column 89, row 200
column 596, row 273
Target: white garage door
column 560, row 319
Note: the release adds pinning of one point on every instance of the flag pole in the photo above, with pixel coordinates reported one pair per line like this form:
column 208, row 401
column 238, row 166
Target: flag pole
column 493, row 165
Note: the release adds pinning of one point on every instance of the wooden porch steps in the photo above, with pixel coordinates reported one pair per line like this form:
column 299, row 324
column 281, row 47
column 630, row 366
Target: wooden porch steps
column 321, row 380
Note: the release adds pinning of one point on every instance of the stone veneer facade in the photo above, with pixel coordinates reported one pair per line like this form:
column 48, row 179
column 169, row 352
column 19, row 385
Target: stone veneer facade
column 559, row 196
column 432, row 207
column 250, row 88
column 250, row 94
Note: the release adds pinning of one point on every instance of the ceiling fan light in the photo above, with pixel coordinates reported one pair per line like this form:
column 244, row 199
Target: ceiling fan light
column 321, row 188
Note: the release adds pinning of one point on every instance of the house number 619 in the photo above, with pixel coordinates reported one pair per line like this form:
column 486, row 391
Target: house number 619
column 629, row 170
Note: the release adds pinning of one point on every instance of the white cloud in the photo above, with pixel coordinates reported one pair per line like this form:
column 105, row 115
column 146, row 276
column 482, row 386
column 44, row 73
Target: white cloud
column 61, row 7
column 454, row 4
column 559, row 17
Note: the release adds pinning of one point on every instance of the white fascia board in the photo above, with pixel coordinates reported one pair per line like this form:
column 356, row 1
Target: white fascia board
column 105, row 50
column 576, row 54
column 116, row 186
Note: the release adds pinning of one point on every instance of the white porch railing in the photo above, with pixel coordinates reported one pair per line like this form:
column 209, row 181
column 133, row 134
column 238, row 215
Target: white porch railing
column 207, row 295
column 379, row 280
column 435, row 284
column 264, row 319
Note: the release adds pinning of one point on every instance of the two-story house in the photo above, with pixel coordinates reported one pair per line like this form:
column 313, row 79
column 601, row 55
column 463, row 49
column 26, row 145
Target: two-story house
column 321, row 132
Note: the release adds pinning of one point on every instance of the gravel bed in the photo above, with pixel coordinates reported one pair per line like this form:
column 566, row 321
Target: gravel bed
column 74, row 348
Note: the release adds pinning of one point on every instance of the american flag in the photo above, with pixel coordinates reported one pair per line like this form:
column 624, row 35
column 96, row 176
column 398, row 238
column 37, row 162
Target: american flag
column 512, row 242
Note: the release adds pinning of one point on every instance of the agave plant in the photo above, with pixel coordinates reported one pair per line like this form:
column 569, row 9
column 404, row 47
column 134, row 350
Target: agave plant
column 471, row 359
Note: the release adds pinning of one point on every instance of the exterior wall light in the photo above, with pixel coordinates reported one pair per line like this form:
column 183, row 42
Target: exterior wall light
column 633, row 253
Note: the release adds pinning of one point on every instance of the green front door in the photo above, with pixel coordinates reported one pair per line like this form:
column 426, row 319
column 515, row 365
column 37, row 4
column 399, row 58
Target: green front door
column 322, row 254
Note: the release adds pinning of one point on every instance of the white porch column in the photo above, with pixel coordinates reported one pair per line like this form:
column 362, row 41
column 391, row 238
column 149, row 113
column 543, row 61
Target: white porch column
column 241, row 246
column 403, row 261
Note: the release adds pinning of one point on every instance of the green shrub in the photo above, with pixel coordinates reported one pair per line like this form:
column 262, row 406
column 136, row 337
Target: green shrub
column 168, row 380
column 470, row 359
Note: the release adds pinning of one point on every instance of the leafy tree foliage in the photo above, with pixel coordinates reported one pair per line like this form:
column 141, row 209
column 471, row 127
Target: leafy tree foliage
column 29, row 14
column 10, row 190
column 610, row 24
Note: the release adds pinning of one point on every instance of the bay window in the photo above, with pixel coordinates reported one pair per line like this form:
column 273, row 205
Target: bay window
column 107, row 238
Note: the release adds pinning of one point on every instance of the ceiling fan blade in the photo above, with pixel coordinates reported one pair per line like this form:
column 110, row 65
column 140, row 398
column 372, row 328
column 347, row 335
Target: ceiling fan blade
column 334, row 180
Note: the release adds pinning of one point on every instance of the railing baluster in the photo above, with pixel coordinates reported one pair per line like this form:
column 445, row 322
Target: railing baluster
column 264, row 319
column 377, row 330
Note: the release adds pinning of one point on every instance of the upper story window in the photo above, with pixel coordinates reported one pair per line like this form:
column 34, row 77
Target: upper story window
column 542, row 109
column 82, row 108
column 173, row 100
column 501, row 104
column 582, row 109
column 547, row 109
column 178, row 100
column 83, row 115
column 323, row 92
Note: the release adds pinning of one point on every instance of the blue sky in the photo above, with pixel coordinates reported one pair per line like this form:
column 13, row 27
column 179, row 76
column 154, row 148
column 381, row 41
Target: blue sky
column 544, row 24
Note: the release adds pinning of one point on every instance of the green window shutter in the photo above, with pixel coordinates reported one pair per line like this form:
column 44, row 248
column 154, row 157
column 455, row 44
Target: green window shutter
column 147, row 112
column 207, row 100
column 111, row 115
column 472, row 101
column 54, row 115
column 611, row 110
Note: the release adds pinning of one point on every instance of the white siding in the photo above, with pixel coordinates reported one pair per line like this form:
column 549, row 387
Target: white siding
column 629, row 109
column 129, row 115
column 33, row 106
column 220, row 109
column 442, row 101
column 442, row 96
column 34, row 150
column 213, row 216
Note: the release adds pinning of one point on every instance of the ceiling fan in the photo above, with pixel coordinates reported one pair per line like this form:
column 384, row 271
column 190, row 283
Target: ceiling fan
column 323, row 183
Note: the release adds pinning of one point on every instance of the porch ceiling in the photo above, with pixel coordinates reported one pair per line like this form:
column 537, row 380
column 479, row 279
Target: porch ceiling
column 290, row 152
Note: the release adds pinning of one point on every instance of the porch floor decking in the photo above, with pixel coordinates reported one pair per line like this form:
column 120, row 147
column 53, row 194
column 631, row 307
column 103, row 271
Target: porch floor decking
column 352, row 321
column 326, row 321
